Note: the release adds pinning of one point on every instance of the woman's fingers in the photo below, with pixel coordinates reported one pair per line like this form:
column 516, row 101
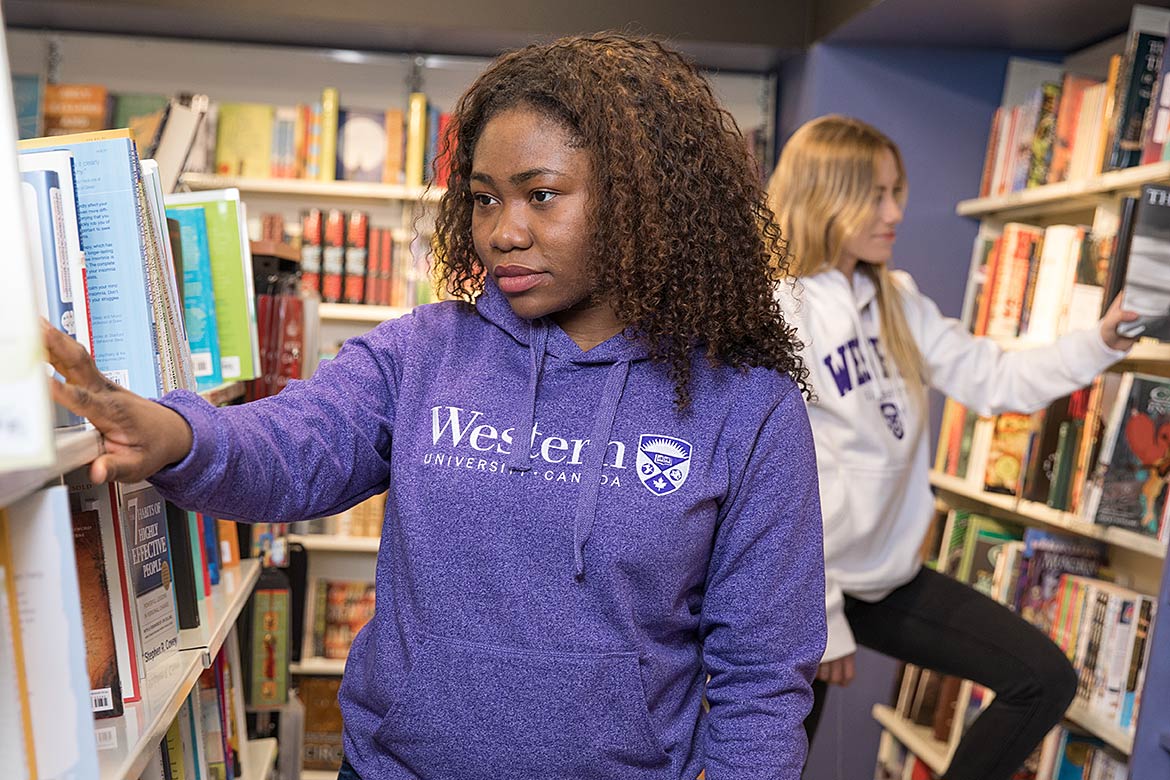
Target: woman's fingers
column 71, row 360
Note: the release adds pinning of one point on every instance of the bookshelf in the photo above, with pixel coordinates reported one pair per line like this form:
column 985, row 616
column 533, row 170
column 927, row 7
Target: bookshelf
column 347, row 191
column 75, row 447
column 225, row 393
column 259, row 759
column 318, row 774
column 919, row 740
column 1065, row 196
column 318, row 666
column 337, row 543
column 125, row 744
column 218, row 613
column 1112, row 735
column 1035, row 514
column 360, row 312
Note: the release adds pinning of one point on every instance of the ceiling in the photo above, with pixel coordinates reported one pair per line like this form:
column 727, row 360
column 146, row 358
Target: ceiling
column 729, row 34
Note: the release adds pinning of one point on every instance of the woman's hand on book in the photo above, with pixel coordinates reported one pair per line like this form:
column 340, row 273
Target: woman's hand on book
column 1114, row 317
column 839, row 671
column 139, row 436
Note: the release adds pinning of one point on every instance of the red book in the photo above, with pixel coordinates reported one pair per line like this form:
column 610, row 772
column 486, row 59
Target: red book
column 446, row 152
column 312, row 240
column 290, row 355
column 357, row 252
column 374, row 266
column 386, row 294
column 333, row 256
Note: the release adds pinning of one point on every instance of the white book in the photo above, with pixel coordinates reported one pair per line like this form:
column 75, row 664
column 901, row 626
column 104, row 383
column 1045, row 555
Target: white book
column 45, row 570
column 26, row 438
column 194, row 707
column 1054, row 282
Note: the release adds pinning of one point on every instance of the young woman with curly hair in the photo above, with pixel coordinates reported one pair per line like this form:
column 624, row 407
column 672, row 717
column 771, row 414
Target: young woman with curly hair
column 874, row 344
column 603, row 504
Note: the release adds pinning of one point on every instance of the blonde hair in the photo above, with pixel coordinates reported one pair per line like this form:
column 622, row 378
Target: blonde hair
column 822, row 194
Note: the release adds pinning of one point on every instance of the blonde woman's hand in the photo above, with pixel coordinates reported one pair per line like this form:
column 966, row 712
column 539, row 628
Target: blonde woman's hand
column 839, row 671
column 1114, row 317
column 140, row 436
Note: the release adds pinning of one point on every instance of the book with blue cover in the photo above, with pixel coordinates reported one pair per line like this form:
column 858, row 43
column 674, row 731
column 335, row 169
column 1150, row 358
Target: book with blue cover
column 198, row 295
column 231, row 272
column 110, row 213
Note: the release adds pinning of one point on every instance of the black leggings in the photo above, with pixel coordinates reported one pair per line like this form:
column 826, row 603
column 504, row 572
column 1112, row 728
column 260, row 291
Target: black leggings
column 939, row 623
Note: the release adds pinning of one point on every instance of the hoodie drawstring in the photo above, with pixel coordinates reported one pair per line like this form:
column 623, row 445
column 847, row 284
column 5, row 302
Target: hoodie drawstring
column 520, row 453
column 615, row 385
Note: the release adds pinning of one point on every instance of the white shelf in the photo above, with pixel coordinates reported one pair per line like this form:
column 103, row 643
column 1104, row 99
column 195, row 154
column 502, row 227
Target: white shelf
column 302, row 188
column 228, row 391
column 259, row 758
column 1066, row 196
column 219, row 611
column 1102, row 728
column 1034, row 513
column 919, row 740
column 125, row 743
column 75, row 447
column 319, row 666
column 336, row 543
column 360, row 312
column 318, row 774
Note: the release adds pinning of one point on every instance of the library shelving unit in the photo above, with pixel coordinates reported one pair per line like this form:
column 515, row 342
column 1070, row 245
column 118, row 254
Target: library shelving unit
column 309, row 188
column 1142, row 558
column 360, row 312
column 337, row 542
column 125, row 743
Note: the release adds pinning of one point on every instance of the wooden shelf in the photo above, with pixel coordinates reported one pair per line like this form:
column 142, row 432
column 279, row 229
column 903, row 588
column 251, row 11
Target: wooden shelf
column 1034, row 513
column 1066, row 196
column 259, row 758
column 1102, row 728
column 305, row 188
column 228, row 391
column 219, row 612
column 360, row 312
column 75, row 447
column 318, row 666
column 337, row 543
column 125, row 743
column 919, row 740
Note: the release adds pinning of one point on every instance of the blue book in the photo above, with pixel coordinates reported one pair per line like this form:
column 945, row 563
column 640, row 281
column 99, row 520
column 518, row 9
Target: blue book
column 26, row 94
column 198, row 295
column 113, row 231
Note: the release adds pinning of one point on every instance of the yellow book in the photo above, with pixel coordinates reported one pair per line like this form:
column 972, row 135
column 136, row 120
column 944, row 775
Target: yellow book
column 243, row 144
column 330, row 108
column 175, row 756
column 12, row 659
column 52, row 142
column 1109, row 117
column 416, row 138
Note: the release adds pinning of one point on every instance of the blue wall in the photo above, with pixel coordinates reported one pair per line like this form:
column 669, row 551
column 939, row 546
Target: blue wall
column 936, row 105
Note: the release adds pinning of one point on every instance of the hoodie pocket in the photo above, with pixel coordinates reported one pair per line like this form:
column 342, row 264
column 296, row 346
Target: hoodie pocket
column 468, row 710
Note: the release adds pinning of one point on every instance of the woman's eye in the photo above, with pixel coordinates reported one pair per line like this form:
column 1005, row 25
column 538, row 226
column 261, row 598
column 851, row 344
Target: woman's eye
column 482, row 199
column 543, row 196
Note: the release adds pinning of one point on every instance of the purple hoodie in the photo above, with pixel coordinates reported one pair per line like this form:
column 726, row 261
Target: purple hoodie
column 550, row 610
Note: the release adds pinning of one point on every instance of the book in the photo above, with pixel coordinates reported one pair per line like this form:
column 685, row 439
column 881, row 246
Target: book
column 75, row 108
column 1147, row 274
column 1072, row 93
column 357, row 254
column 143, row 115
column 323, row 749
column 393, row 170
column 27, row 91
column 96, row 615
column 1010, row 284
column 333, row 256
column 1129, row 483
column 1005, row 462
column 416, row 139
column 330, row 108
column 199, row 296
column 267, row 625
column 211, row 712
column 361, row 144
column 342, row 609
column 112, row 216
column 182, row 567
column 144, row 527
column 16, row 728
column 232, row 282
column 178, row 138
column 1143, row 62
column 244, row 140
column 49, row 604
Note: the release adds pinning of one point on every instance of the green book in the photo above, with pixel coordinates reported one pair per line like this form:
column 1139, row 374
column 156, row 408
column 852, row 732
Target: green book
column 231, row 277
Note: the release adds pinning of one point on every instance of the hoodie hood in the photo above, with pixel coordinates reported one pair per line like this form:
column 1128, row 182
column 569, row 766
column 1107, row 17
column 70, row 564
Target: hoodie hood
column 543, row 337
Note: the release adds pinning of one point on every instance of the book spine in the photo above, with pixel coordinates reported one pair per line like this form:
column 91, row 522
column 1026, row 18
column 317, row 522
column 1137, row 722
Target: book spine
column 333, row 256
column 357, row 239
column 416, row 139
column 330, row 108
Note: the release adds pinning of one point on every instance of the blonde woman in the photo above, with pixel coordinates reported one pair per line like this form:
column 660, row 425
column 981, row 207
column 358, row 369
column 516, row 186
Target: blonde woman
column 873, row 344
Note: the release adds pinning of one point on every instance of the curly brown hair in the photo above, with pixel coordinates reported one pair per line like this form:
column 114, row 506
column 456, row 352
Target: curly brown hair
column 691, row 249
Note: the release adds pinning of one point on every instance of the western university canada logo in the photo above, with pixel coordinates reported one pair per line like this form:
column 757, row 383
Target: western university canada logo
column 663, row 463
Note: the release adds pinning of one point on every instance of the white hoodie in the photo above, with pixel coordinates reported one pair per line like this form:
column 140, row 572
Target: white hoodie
column 871, row 437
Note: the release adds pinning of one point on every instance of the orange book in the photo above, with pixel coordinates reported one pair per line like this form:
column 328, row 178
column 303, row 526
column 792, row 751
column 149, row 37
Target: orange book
column 229, row 542
column 75, row 108
column 10, row 636
column 1071, row 93
column 990, row 274
column 1109, row 119
column 992, row 151
column 393, row 169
